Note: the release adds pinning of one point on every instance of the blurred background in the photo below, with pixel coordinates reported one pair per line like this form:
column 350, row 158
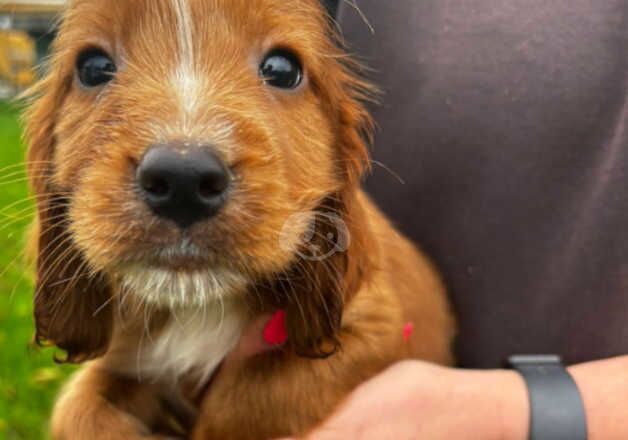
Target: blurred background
column 29, row 379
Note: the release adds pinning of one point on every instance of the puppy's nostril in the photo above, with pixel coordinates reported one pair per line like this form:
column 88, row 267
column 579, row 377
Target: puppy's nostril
column 213, row 186
column 155, row 186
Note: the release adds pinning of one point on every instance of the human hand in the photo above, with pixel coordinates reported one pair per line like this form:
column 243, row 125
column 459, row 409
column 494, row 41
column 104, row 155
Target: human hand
column 416, row 400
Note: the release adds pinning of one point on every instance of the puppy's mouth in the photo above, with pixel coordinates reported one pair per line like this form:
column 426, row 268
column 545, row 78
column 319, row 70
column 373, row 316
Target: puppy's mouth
column 182, row 257
column 180, row 276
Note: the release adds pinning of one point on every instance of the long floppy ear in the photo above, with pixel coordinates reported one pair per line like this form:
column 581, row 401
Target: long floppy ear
column 332, row 266
column 338, row 253
column 71, row 304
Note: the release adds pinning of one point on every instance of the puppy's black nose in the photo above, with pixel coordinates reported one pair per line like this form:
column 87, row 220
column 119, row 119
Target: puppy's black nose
column 183, row 185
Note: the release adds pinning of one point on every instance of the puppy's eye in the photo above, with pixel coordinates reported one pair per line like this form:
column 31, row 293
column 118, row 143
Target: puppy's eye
column 95, row 68
column 281, row 69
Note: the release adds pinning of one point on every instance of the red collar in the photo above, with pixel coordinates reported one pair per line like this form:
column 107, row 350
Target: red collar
column 275, row 333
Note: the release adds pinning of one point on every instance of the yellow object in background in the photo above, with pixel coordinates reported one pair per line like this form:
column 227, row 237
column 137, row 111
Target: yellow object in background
column 18, row 58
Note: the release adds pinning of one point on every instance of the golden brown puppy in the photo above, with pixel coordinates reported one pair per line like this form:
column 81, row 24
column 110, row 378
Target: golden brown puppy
column 197, row 164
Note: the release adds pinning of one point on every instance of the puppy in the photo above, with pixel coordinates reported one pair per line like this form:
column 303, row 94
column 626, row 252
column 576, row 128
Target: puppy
column 197, row 164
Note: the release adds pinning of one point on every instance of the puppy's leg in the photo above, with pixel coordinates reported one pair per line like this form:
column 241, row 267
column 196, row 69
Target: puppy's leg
column 98, row 405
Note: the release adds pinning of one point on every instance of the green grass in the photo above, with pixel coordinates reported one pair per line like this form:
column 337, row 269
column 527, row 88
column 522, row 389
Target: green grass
column 29, row 379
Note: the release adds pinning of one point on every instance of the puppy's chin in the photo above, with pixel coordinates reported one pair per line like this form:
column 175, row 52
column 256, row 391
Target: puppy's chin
column 176, row 289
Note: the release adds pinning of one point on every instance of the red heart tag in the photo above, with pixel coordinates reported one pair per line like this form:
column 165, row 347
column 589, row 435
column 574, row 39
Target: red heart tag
column 275, row 332
column 408, row 329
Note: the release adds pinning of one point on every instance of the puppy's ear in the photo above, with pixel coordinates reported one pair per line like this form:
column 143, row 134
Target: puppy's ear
column 71, row 304
column 331, row 267
column 337, row 258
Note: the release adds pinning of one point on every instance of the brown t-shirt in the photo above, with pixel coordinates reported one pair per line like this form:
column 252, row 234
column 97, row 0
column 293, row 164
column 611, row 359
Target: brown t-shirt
column 508, row 122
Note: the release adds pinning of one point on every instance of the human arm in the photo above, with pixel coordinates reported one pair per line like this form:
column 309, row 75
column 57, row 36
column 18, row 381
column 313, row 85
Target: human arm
column 418, row 400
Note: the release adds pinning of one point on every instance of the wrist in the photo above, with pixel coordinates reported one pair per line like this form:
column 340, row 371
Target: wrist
column 513, row 405
column 503, row 407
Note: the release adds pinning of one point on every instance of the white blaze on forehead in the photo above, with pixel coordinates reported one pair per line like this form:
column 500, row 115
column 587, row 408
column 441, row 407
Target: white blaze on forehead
column 187, row 80
column 184, row 31
column 185, row 76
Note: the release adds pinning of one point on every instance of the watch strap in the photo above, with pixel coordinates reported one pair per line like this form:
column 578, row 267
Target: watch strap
column 557, row 411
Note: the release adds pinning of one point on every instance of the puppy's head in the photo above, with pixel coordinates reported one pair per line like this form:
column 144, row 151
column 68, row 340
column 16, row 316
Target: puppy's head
column 190, row 150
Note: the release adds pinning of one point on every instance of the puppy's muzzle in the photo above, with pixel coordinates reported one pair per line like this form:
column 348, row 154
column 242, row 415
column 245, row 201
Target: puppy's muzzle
column 183, row 184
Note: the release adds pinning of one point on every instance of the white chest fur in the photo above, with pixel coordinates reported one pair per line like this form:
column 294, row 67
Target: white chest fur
column 191, row 345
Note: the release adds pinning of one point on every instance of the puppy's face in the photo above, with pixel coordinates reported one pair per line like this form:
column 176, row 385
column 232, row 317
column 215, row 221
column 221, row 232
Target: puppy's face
column 182, row 150
column 189, row 135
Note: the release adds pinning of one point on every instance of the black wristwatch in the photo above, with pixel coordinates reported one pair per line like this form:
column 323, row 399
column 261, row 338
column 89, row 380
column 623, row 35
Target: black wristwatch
column 556, row 407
